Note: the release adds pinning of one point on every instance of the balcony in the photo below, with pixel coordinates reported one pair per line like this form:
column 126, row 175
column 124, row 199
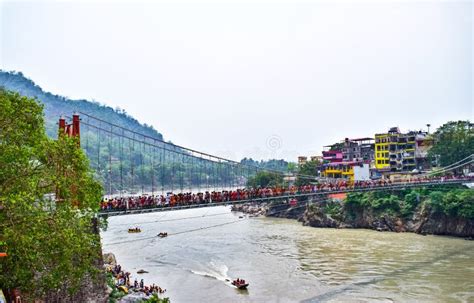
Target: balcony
column 333, row 171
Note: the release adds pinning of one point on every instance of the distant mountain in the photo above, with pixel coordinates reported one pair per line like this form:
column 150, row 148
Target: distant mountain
column 126, row 165
column 55, row 106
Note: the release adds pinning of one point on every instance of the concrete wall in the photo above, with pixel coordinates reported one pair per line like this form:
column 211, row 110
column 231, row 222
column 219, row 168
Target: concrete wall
column 361, row 173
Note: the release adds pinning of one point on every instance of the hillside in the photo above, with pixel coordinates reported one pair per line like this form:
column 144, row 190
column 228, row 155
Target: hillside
column 135, row 168
column 55, row 105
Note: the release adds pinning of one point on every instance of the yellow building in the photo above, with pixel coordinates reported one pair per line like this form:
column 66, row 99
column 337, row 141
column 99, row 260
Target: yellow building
column 338, row 170
column 382, row 160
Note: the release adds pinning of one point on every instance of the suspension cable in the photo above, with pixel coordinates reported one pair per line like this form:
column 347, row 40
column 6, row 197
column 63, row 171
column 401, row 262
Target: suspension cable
column 451, row 167
column 176, row 233
column 203, row 154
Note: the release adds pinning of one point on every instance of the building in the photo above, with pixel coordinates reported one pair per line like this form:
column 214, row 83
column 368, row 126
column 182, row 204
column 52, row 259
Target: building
column 349, row 170
column 332, row 156
column 401, row 152
column 423, row 144
column 381, row 157
column 358, row 149
column 349, row 159
column 302, row 160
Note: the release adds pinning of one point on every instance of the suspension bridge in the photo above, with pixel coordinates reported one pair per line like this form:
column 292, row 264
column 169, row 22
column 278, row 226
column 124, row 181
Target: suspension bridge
column 141, row 168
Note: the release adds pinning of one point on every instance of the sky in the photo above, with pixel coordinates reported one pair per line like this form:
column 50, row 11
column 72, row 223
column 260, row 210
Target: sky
column 260, row 79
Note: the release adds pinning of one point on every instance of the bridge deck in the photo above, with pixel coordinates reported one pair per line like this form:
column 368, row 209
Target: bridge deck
column 273, row 198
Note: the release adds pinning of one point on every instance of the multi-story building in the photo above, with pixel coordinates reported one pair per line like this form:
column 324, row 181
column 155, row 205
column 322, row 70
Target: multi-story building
column 332, row 156
column 381, row 157
column 423, row 144
column 402, row 152
column 351, row 162
column 351, row 170
column 399, row 152
column 358, row 149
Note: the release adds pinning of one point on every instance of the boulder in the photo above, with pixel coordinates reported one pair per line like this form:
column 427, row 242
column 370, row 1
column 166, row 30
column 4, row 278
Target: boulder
column 109, row 259
column 133, row 298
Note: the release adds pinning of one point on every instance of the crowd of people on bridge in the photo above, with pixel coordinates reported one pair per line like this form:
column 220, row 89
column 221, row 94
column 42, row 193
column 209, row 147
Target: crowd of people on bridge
column 189, row 198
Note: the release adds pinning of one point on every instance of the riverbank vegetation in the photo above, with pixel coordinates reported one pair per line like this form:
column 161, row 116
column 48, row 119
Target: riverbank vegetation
column 48, row 202
column 447, row 210
column 265, row 179
column 453, row 141
column 309, row 168
column 454, row 201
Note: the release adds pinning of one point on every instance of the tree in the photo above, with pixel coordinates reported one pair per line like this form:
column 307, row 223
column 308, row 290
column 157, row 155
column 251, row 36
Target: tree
column 310, row 168
column 337, row 146
column 51, row 246
column 292, row 167
column 453, row 141
column 264, row 179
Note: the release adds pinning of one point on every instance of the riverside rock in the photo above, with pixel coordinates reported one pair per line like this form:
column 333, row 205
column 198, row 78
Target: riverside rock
column 423, row 220
column 109, row 259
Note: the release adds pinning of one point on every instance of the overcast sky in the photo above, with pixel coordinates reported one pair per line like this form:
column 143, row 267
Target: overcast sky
column 250, row 78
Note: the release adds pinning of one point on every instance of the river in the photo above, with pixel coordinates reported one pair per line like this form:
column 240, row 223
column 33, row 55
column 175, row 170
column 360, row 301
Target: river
column 287, row 262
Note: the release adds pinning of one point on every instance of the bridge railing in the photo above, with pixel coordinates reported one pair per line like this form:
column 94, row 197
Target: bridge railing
column 167, row 207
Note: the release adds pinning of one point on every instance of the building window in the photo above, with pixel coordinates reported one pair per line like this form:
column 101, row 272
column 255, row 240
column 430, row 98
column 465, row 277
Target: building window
column 379, row 161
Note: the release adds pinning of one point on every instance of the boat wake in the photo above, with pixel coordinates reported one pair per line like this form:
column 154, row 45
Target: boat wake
column 214, row 271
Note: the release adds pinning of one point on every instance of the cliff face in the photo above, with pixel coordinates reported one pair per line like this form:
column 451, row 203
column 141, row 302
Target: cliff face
column 423, row 221
column 333, row 215
column 93, row 289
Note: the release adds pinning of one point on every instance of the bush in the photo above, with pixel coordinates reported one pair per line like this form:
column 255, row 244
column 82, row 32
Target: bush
column 454, row 202
column 409, row 203
column 155, row 299
column 333, row 209
column 457, row 202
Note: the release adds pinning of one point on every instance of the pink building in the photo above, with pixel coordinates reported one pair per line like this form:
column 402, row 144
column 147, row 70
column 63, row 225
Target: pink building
column 333, row 156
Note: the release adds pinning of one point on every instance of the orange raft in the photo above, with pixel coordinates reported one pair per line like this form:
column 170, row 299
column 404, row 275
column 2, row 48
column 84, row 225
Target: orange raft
column 240, row 284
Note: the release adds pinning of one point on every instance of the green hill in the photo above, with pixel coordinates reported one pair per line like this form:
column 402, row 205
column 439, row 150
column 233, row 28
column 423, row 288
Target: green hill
column 55, row 106
column 121, row 164
column 125, row 165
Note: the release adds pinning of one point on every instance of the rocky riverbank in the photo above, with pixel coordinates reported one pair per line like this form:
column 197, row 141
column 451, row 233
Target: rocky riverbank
column 270, row 210
column 120, row 288
column 336, row 214
column 423, row 220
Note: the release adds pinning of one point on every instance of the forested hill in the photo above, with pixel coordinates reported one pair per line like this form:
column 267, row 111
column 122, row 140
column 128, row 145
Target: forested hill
column 129, row 168
column 55, row 106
